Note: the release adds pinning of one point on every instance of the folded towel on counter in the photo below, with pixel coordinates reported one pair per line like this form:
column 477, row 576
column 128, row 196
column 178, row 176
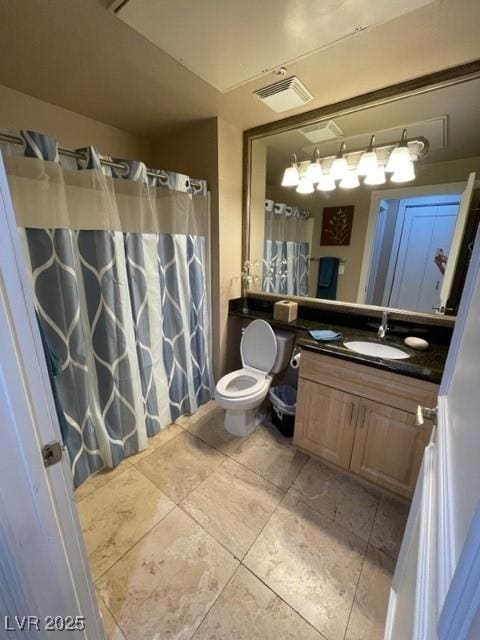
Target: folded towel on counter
column 325, row 335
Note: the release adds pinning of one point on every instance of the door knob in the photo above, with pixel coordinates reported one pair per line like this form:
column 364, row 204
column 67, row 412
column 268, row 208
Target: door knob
column 423, row 413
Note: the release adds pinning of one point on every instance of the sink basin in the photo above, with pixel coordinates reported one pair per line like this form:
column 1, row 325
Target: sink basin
column 377, row 349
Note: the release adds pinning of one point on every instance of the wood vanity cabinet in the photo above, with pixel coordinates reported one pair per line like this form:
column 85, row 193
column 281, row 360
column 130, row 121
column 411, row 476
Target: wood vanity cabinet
column 363, row 419
column 327, row 418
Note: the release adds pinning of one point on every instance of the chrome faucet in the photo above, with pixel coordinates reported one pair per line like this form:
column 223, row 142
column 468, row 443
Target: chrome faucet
column 383, row 328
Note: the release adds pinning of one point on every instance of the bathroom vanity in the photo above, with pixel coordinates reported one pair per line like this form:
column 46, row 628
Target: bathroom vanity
column 363, row 419
column 357, row 411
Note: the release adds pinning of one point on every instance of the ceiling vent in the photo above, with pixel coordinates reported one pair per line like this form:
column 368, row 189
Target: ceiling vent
column 322, row 131
column 284, row 95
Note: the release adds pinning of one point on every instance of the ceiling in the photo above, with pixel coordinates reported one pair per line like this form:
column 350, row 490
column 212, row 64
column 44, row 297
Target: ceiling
column 449, row 118
column 80, row 56
column 207, row 40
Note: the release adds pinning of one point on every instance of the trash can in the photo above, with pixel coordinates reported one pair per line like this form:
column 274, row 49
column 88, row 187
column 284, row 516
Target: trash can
column 284, row 404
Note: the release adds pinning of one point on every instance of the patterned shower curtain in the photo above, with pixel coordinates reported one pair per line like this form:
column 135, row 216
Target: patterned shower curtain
column 286, row 254
column 123, row 310
column 285, row 267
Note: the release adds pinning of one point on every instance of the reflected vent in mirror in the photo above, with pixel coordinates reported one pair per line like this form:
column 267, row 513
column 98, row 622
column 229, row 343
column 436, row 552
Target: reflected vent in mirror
column 322, row 131
column 284, row 95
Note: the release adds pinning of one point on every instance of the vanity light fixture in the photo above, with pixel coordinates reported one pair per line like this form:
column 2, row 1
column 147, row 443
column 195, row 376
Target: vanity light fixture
column 291, row 177
column 326, row 183
column 350, row 180
column 377, row 176
column 314, row 169
column 339, row 165
column 368, row 162
column 305, row 185
column 344, row 169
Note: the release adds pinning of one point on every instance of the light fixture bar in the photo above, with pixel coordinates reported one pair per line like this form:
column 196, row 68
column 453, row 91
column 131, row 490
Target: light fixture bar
column 422, row 143
column 370, row 166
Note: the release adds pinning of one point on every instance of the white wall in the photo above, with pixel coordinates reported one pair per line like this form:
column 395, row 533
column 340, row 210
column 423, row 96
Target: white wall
column 212, row 149
column 21, row 111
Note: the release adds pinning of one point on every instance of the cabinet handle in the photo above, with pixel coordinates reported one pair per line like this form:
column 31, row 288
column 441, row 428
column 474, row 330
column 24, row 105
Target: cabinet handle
column 362, row 418
column 351, row 413
column 429, row 414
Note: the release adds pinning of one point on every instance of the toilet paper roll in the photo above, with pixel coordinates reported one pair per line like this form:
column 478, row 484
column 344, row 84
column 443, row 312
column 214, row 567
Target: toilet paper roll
column 295, row 360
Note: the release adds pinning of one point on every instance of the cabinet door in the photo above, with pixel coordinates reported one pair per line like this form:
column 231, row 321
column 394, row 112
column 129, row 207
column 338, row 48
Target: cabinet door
column 388, row 447
column 325, row 424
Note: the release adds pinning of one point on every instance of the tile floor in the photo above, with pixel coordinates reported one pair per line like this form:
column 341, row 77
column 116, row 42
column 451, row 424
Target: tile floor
column 209, row 537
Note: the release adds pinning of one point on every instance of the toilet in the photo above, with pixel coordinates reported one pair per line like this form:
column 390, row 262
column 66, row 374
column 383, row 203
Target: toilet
column 264, row 352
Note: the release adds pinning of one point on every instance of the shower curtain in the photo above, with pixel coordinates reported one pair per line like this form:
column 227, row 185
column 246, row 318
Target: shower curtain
column 120, row 274
column 286, row 255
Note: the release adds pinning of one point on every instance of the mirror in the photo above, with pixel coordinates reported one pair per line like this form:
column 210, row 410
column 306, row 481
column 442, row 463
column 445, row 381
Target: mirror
column 379, row 202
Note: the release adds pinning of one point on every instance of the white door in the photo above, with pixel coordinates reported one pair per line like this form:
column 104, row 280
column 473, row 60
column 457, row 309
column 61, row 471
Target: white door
column 435, row 591
column 426, row 230
column 43, row 565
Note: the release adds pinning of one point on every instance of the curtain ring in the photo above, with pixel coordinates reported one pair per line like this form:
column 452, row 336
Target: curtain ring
column 125, row 172
column 82, row 157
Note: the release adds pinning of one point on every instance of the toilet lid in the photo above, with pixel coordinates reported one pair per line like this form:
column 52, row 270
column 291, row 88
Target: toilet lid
column 258, row 347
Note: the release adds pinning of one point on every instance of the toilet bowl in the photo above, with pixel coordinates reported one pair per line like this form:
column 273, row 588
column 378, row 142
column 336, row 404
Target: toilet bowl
column 241, row 392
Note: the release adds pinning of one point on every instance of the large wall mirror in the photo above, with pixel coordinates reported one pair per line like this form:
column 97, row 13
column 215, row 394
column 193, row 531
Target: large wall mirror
column 373, row 203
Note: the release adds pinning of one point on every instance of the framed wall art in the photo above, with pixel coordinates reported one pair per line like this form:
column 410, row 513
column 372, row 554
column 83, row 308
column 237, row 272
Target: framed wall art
column 337, row 226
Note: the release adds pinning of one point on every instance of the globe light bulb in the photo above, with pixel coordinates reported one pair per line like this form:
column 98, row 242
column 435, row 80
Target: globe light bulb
column 305, row 186
column 399, row 159
column 377, row 176
column 314, row 171
column 368, row 161
column 404, row 174
column 291, row 177
column 326, row 183
column 339, row 166
column 349, row 180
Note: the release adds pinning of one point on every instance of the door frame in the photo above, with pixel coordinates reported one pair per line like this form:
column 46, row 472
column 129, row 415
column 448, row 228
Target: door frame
column 394, row 194
column 28, row 402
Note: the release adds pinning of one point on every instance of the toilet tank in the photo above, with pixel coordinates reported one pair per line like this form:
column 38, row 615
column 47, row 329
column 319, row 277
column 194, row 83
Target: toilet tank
column 285, row 340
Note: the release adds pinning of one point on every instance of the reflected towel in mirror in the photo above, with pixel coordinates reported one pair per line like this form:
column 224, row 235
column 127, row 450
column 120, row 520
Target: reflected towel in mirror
column 327, row 278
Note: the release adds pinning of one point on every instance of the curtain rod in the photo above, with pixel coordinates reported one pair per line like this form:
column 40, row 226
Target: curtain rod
column 5, row 137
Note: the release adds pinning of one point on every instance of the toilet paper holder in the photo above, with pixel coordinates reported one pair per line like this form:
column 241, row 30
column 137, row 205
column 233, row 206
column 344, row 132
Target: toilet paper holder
column 295, row 359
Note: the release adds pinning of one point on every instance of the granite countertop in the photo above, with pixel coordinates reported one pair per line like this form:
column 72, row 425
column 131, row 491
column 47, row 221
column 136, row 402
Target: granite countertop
column 424, row 365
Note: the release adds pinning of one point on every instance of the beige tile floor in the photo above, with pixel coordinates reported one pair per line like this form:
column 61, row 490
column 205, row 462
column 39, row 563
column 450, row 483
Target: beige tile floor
column 211, row 537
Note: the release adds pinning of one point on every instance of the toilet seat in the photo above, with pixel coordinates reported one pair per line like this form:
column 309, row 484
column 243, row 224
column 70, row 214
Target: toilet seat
column 242, row 399
column 237, row 383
